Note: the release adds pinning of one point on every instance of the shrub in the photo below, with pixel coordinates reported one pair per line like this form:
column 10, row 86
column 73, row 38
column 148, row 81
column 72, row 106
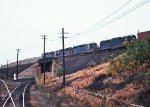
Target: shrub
column 137, row 53
column 59, row 71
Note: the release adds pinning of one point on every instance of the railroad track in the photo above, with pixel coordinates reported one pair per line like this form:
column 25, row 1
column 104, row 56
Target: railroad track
column 19, row 96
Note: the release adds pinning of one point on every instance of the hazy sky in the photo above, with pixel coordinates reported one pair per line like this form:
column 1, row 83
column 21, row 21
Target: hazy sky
column 23, row 21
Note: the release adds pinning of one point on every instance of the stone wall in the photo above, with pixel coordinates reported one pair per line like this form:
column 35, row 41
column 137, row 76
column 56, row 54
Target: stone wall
column 79, row 62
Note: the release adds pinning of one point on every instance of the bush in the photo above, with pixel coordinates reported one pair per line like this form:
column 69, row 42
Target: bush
column 137, row 53
column 59, row 71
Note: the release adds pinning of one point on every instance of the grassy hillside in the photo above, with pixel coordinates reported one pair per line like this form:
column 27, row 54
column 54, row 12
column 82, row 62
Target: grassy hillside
column 132, row 88
column 124, row 81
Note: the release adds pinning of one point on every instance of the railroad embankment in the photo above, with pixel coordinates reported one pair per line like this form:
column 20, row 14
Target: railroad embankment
column 95, row 86
column 79, row 62
column 23, row 65
column 32, row 72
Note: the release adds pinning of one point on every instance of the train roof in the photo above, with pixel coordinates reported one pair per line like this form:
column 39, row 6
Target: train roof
column 64, row 49
column 93, row 43
column 48, row 52
column 119, row 38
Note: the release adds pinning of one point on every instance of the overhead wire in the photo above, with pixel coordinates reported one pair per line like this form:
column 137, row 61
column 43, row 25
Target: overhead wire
column 53, row 39
column 119, row 16
column 32, row 47
column 114, row 19
column 110, row 21
column 111, row 14
column 13, row 57
column 93, row 28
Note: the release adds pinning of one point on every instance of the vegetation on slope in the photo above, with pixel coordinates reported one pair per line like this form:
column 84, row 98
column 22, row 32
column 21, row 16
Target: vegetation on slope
column 138, row 53
column 131, row 86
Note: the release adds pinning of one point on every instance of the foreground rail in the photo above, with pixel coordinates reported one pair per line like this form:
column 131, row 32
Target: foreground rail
column 17, row 97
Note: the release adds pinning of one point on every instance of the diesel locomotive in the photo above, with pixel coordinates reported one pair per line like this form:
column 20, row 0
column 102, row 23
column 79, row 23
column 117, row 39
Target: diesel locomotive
column 105, row 45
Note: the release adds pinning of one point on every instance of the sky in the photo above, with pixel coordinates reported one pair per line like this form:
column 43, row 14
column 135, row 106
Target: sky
column 22, row 22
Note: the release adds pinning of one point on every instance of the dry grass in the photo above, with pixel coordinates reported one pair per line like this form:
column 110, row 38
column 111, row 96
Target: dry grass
column 125, row 86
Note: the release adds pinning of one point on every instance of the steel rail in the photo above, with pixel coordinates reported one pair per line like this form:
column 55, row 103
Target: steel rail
column 9, row 97
column 23, row 94
column 8, row 92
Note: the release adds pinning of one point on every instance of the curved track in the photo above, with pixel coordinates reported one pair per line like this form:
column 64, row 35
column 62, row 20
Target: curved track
column 20, row 96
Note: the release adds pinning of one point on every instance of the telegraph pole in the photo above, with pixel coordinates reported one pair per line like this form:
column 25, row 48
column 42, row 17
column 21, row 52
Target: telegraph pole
column 7, row 69
column 18, row 50
column 44, row 38
column 63, row 56
column 63, row 46
column 138, row 34
column 1, row 72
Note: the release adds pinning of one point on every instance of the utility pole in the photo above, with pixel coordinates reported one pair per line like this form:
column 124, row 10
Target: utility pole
column 1, row 72
column 63, row 46
column 18, row 50
column 7, row 70
column 138, row 34
column 44, row 38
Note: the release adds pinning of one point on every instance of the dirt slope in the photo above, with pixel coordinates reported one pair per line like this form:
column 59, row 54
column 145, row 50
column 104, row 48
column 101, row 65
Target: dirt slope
column 30, row 72
column 132, row 88
column 23, row 65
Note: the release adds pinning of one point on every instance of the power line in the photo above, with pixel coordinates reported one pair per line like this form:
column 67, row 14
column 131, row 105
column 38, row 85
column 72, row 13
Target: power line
column 53, row 39
column 93, row 28
column 111, row 14
column 57, row 38
column 13, row 56
column 114, row 19
column 32, row 47
column 102, row 20
column 120, row 16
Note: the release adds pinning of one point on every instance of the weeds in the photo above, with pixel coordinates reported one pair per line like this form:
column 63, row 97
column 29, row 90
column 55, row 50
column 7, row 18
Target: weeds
column 91, row 64
column 59, row 70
